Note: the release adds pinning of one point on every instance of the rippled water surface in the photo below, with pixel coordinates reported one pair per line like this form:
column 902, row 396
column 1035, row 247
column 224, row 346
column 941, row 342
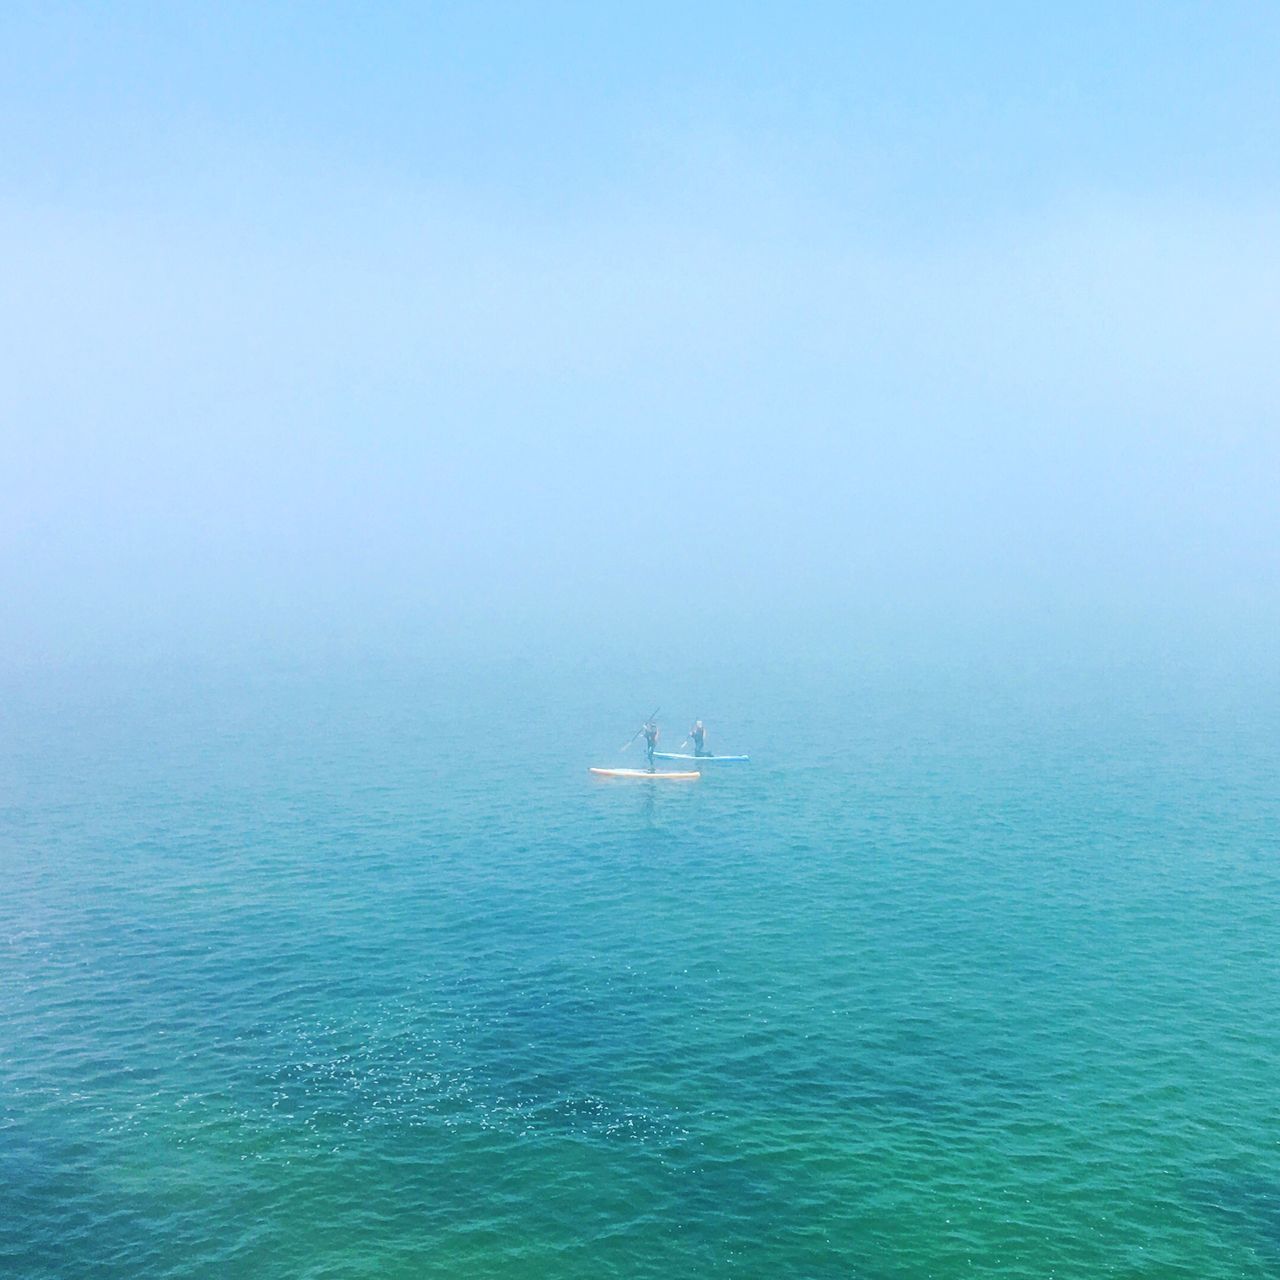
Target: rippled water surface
column 363, row 975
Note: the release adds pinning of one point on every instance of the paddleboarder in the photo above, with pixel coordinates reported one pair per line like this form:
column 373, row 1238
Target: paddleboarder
column 650, row 740
column 698, row 736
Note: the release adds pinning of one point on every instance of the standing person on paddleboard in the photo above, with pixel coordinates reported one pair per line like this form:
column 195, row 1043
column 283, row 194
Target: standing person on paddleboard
column 650, row 740
column 698, row 736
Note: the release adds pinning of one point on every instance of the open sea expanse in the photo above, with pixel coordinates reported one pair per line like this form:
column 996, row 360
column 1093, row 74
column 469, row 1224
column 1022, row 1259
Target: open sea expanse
column 970, row 973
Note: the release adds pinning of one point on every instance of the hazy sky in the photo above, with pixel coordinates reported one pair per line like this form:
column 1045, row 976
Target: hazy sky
column 390, row 324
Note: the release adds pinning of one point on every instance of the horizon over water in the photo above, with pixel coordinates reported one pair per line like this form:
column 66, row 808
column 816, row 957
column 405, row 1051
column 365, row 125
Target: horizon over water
column 353, row 970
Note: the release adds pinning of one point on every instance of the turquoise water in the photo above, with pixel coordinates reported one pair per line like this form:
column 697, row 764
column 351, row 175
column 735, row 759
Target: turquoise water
column 965, row 975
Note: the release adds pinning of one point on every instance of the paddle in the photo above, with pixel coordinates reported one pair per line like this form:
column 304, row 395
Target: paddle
column 640, row 730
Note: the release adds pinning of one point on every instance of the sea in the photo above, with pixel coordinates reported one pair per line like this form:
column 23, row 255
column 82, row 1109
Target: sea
column 353, row 970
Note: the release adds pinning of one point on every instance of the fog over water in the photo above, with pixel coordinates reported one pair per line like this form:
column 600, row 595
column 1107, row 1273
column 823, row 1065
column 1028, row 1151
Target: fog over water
column 398, row 402
column 340, row 334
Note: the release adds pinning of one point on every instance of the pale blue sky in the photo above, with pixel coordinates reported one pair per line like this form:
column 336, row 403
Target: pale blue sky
column 384, row 325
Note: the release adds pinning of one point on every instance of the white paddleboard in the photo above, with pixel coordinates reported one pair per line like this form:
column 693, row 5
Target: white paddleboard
column 644, row 773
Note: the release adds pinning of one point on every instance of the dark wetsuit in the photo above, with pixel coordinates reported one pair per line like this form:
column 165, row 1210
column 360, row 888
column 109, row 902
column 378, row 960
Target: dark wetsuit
column 699, row 737
column 650, row 742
